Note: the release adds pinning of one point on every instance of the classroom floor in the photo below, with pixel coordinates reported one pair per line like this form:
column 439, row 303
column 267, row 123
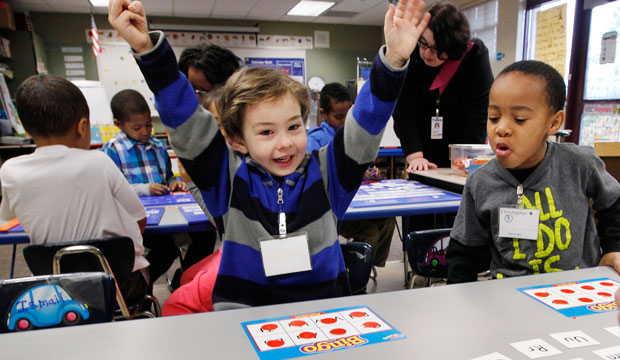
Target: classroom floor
column 389, row 278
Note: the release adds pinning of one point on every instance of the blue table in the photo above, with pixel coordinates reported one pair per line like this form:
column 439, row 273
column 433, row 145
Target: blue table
column 166, row 214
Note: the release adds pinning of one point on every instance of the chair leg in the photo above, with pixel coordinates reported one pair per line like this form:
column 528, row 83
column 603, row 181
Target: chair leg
column 427, row 281
column 411, row 281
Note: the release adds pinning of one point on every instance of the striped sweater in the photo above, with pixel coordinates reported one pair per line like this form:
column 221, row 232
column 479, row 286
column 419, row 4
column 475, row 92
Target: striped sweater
column 242, row 196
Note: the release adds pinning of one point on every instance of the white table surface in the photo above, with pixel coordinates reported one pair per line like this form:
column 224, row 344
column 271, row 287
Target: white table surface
column 446, row 322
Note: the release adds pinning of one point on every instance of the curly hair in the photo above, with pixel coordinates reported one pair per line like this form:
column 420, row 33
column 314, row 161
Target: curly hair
column 50, row 105
column 335, row 91
column 215, row 62
column 252, row 85
column 450, row 29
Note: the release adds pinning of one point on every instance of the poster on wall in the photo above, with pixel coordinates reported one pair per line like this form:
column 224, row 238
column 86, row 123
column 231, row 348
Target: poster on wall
column 551, row 37
column 600, row 122
column 294, row 68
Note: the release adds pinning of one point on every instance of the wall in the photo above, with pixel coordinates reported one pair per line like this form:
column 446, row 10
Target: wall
column 337, row 63
column 510, row 32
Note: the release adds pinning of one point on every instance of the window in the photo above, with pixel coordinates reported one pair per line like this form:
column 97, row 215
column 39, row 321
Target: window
column 483, row 23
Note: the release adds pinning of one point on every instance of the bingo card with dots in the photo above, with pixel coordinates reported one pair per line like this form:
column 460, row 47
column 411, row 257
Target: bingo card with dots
column 577, row 298
column 318, row 332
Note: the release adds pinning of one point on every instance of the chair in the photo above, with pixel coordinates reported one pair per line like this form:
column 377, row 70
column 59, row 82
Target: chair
column 114, row 255
column 426, row 251
column 358, row 260
column 56, row 300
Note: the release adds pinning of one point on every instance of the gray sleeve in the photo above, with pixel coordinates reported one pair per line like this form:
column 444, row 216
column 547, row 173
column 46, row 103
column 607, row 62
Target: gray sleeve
column 469, row 228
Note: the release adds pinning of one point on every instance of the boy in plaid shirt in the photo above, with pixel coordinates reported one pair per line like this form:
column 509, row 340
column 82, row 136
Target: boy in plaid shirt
column 144, row 162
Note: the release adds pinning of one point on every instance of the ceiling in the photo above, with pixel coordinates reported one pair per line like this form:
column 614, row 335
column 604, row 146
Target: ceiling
column 350, row 12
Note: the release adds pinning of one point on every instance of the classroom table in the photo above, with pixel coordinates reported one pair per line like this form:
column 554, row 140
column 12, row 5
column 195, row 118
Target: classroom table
column 463, row 321
column 165, row 215
column 442, row 178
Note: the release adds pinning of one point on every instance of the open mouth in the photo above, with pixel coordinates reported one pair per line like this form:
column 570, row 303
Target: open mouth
column 284, row 160
column 502, row 150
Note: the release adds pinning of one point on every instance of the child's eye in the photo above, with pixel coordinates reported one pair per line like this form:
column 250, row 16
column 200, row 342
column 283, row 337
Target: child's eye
column 493, row 119
column 520, row 120
column 294, row 127
column 265, row 132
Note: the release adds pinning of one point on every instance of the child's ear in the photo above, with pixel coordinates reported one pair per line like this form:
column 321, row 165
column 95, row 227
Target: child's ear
column 83, row 127
column 117, row 123
column 556, row 122
column 322, row 113
column 237, row 144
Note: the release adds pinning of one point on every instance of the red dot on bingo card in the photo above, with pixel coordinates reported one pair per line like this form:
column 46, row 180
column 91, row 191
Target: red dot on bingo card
column 275, row 343
column 297, row 323
column 560, row 302
column 358, row 314
column 605, row 294
column 588, row 287
column 307, row 335
column 568, row 291
column 586, row 300
column 542, row 294
column 337, row 331
column 328, row 320
column 371, row 324
column 269, row 327
column 604, row 283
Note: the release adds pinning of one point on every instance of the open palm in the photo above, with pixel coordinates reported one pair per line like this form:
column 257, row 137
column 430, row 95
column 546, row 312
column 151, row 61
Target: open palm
column 403, row 26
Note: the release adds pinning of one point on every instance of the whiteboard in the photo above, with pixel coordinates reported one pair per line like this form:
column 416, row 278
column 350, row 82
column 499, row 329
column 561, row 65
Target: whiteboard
column 117, row 69
column 97, row 100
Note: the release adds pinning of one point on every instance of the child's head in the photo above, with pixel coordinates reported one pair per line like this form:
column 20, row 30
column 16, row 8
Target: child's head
column 51, row 108
column 263, row 113
column 526, row 105
column 132, row 115
column 335, row 102
column 207, row 66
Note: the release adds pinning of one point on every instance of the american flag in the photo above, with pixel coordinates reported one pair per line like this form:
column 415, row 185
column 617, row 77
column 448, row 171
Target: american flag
column 94, row 34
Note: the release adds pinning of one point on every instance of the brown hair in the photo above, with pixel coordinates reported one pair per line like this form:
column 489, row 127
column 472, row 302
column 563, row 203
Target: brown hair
column 250, row 86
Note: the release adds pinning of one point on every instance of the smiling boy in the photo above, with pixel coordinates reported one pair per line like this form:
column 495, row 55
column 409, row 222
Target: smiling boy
column 559, row 185
column 275, row 206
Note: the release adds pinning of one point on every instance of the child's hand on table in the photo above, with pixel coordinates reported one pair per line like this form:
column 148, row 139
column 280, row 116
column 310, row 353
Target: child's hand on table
column 611, row 259
column 158, row 189
column 178, row 186
column 372, row 174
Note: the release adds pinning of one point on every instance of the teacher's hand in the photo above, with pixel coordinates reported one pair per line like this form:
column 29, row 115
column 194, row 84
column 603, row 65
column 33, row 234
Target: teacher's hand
column 417, row 162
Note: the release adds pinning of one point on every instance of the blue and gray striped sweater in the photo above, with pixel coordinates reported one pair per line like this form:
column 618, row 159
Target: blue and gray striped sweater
column 242, row 196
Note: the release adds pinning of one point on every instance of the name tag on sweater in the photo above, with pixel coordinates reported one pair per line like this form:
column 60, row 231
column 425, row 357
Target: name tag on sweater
column 285, row 255
column 518, row 223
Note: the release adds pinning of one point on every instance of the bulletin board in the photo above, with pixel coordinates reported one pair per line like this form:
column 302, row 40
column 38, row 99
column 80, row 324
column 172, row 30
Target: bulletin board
column 602, row 70
column 118, row 70
column 600, row 121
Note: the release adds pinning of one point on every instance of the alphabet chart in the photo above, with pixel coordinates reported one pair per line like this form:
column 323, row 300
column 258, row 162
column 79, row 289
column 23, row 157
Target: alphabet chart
column 577, row 298
column 318, row 332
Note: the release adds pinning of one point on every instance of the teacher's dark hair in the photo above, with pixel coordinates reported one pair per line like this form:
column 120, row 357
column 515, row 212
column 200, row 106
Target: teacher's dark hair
column 450, row 29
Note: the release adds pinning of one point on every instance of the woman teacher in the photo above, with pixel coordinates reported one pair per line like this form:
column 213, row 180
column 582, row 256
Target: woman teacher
column 446, row 93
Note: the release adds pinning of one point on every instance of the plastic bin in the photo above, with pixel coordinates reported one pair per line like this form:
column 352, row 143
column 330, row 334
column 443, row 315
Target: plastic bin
column 465, row 158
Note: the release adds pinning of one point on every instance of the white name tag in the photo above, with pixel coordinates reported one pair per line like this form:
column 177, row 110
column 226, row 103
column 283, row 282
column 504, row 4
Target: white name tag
column 286, row 255
column 518, row 223
column 437, row 127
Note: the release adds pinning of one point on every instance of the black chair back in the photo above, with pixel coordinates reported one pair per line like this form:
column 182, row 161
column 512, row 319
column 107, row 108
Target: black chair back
column 358, row 260
column 119, row 251
column 56, row 300
column 426, row 251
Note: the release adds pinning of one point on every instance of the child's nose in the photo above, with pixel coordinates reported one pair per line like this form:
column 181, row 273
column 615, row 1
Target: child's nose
column 502, row 128
column 284, row 141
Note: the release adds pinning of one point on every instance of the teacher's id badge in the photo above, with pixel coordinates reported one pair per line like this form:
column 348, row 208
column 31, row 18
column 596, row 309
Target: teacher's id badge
column 518, row 223
column 437, row 127
column 285, row 254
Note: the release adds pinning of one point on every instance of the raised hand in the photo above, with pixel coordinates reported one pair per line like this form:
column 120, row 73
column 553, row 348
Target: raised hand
column 129, row 19
column 403, row 26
